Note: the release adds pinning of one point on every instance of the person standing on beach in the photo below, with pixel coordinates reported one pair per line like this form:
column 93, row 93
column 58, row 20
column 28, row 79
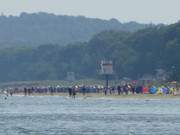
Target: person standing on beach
column 84, row 90
column 74, row 92
column 105, row 91
column 70, row 91
column 25, row 91
column 29, row 91
column 126, row 89
column 11, row 93
column 119, row 89
column 133, row 89
column 110, row 90
column 113, row 90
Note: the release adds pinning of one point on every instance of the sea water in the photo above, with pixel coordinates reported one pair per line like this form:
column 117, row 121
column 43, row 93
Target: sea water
column 56, row 115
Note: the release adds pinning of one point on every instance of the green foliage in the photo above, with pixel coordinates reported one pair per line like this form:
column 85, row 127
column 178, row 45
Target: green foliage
column 43, row 28
column 133, row 55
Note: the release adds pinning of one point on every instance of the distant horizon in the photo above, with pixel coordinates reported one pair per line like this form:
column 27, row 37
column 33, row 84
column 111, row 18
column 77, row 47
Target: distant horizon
column 141, row 11
column 56, row 14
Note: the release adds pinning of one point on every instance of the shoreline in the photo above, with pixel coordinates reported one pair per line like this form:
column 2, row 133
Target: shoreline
column 101, row 95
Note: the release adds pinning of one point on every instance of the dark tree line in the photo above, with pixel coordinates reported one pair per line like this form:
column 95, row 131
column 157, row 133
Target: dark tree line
column 133, row 55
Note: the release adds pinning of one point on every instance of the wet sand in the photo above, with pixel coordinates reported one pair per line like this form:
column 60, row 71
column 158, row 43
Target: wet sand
column 101, row 95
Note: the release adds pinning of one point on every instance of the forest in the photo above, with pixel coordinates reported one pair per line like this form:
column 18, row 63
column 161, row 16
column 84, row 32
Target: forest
column 134, row 54
column 44, row 28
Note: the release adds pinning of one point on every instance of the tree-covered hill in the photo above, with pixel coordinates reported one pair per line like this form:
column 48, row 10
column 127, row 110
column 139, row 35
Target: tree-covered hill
column 42, row 28
column 133, row 55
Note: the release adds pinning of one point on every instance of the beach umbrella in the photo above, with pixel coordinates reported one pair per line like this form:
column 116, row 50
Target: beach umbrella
column 145, row 90
column 165, row 90
column 173, row 82
column 160, row 90
column 153, row 90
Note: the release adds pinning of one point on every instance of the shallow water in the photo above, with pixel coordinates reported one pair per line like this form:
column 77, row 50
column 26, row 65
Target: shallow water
column 55, row 115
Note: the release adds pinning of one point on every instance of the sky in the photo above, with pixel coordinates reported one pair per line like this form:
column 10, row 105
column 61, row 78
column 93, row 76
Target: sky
column 143, row 11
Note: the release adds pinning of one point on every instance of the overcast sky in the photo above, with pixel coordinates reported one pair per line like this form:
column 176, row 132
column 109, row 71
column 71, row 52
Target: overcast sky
column 144, row 11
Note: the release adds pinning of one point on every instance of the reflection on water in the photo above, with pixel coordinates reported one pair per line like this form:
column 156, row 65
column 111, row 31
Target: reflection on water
column 61, row 115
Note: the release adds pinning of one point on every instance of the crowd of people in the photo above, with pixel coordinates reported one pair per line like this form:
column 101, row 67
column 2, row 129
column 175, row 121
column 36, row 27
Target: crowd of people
column 72, row 90
column 112, row 90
